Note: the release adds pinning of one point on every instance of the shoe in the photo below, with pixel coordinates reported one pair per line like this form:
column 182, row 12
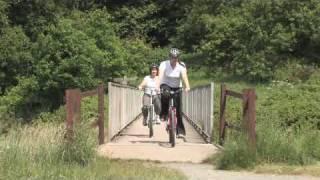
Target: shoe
column 164, row 118
column 158, row 120
column 144, row 122
column 180, row 135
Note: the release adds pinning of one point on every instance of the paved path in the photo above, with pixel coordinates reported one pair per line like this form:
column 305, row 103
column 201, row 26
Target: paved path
column 134, row 143
column 207, row 171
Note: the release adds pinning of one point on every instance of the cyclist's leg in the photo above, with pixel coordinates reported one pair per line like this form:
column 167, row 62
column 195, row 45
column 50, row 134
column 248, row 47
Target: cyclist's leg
column 157, row 107
column 164, row 102
column 180, row 125
column 146, row 103
column 157, row 104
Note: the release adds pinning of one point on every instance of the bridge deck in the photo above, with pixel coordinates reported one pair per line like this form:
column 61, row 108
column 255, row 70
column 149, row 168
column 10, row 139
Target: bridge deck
column 134, row 143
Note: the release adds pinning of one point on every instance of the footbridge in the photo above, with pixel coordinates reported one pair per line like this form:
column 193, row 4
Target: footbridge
column 127, row 138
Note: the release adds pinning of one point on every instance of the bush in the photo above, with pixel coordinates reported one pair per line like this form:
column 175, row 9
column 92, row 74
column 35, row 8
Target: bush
column 237, row 154
column 287, row 126
column 251, row 38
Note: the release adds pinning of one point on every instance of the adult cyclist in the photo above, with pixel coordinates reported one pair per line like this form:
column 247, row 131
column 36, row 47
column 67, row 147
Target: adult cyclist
column 148, row 83
column 171, row 72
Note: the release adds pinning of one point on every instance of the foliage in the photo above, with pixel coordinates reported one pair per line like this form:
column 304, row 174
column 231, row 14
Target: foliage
column 141, row 56
column 155, row 21
column 16, row 59
column 3, row 15
column 287, row 126
column 34, row 15
column 39, row 152
column 16, row 100
column 250, row 38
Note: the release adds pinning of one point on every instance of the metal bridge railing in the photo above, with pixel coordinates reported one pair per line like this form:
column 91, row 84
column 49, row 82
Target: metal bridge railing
column 125, row 104
column 198, row 107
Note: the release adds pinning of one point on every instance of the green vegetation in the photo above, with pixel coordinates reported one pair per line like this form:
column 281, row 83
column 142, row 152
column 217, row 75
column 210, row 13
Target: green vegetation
column 42, row 152
column 49, row 46
column 287, row 127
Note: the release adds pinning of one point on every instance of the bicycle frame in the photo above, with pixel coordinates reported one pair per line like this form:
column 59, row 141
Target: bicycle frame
column 172, row 119
column 151, row 113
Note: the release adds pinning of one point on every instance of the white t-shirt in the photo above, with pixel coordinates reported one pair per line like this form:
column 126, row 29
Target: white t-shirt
column 171, row 77
column 150, row 83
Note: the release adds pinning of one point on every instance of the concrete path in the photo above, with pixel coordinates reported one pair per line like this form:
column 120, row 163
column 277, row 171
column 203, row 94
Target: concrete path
column 134, row 143
column 207, row 171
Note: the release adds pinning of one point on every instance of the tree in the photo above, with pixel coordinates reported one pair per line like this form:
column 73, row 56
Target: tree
column 16, row 59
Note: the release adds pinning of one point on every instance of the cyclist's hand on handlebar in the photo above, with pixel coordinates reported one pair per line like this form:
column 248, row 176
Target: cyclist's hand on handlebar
column 187, row 89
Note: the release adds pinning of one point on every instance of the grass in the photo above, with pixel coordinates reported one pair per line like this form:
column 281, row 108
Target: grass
column 288, row 123
column 41, row 152
column 313, row 170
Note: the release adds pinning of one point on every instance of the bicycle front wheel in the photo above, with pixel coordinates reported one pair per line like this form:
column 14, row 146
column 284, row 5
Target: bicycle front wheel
column 150, row 123
column 172, row 129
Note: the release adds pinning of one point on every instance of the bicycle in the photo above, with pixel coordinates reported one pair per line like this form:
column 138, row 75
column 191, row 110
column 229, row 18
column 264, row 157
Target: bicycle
column 172, row 119
column 151, row 113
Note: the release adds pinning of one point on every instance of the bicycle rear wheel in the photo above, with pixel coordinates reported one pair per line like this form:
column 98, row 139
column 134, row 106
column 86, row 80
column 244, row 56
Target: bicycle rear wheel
column 172, row 128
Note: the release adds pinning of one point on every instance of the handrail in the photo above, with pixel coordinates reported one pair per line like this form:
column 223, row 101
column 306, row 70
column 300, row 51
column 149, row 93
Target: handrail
column 197, row 108
column 125, row 104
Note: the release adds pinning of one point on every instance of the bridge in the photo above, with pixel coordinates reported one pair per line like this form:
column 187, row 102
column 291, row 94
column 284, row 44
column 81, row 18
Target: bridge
column 129, row 139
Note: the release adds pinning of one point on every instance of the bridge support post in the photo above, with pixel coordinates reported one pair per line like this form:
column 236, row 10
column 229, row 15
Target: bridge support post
column 249, row 115
column 222, row 128
column 73, row 107
column 101, row 113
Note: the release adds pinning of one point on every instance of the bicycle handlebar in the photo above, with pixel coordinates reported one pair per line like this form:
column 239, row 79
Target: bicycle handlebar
column 172, row 92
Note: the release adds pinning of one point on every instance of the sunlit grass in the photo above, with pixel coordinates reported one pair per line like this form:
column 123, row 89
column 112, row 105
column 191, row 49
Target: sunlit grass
column 41, row 152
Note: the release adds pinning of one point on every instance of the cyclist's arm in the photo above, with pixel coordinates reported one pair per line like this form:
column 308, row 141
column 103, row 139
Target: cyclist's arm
column 142, row 84
column 161, row 73
column 185, row 80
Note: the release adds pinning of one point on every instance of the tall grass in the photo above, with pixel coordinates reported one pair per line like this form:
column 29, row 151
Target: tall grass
column 288, row 127
column 288, row 121
column 42, row 152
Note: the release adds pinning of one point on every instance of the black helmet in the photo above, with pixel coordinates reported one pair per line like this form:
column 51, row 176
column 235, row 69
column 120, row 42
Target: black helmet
column 174, row 52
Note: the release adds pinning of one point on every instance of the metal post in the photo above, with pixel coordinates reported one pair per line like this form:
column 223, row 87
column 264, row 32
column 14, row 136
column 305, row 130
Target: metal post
column 252, row 116
column 222, row 129
column 73, row 106
column 101, row 113
column 111, row 112
column 211, row 110
column 249, row 115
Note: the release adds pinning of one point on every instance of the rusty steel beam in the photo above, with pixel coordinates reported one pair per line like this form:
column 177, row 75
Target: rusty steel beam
column 249, row 115
column 234, row 94
column 73, row 109
column 101, row 113
column 73, row 103
column 89, row 93
column 222, row 128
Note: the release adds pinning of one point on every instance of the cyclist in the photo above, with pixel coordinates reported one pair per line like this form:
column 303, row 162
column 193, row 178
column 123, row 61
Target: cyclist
column 170, row 74
column 148, row 83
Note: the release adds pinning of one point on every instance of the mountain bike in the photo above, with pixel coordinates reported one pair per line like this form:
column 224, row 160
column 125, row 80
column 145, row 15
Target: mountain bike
column 151, row 113
column 172, row 119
